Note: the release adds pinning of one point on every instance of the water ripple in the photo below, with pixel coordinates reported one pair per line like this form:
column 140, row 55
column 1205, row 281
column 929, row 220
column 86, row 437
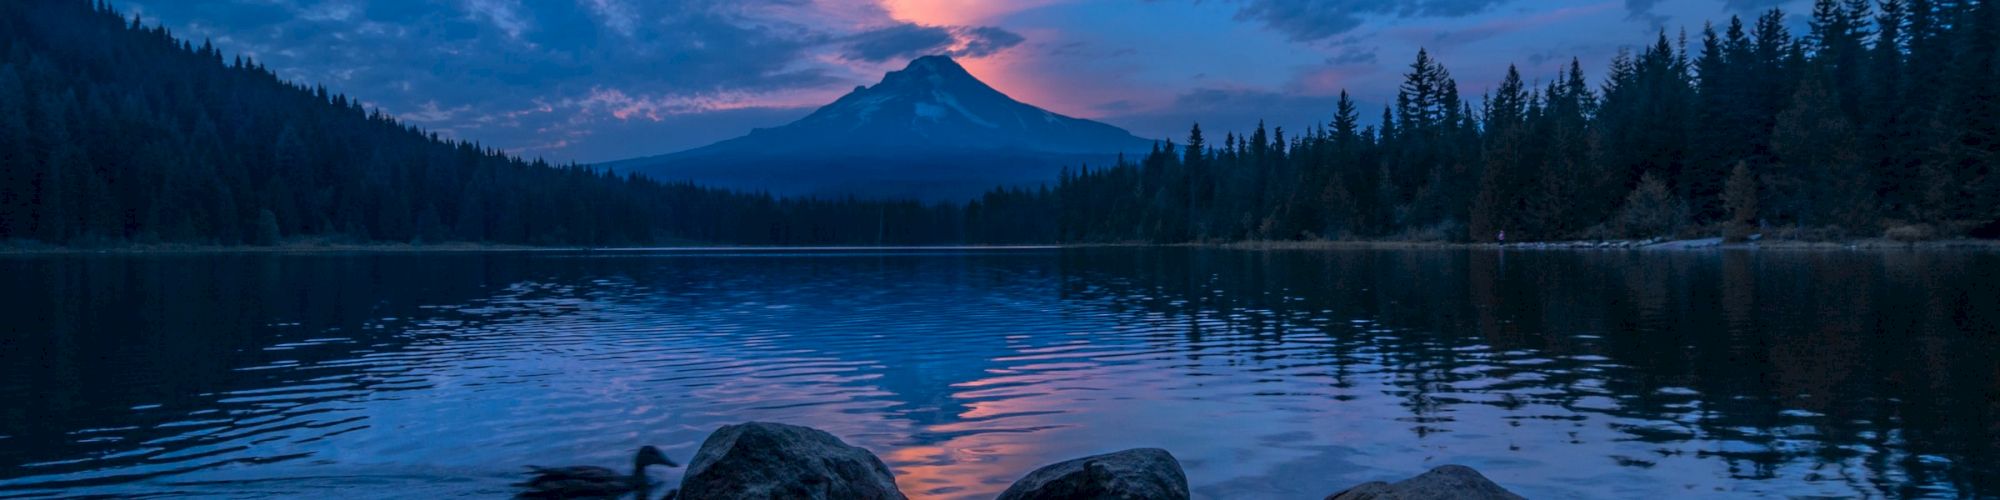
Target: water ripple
column 1270, row 375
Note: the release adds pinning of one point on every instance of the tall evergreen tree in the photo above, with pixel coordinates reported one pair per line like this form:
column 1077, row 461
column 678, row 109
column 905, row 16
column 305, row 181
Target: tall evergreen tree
column 1502, row 202
column 17, row 165
column 1820, row 179
column 1741, row 199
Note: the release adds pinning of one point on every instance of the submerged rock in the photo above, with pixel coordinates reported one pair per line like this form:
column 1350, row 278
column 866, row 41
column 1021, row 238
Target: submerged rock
column 1142, row 473
column 762, row 460
column 1443, row 483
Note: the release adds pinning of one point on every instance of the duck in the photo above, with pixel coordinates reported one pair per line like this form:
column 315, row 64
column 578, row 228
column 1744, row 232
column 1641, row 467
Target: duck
column 590, row 481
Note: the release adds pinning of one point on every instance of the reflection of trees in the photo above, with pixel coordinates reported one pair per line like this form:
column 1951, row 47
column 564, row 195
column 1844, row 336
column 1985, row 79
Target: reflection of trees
column 95, row 337
column 89, row 338
column 1877, row 362
column 1878, row 359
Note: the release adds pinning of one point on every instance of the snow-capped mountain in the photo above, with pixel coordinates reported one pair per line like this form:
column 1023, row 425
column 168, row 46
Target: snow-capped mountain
column 930, row 131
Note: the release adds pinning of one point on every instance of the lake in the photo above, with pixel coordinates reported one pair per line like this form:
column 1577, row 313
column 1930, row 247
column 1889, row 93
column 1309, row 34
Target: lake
column 1288, row 374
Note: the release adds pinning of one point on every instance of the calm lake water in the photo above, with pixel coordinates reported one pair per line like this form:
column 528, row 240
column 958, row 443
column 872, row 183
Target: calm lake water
column 1269, row 374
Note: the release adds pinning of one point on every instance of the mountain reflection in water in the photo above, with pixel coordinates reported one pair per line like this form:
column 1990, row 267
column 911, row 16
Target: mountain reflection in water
column 1270, row 374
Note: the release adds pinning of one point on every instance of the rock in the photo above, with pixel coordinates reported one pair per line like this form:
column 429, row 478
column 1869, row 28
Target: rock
column 1443, row 483
column 1141, row 473
column 762, row 460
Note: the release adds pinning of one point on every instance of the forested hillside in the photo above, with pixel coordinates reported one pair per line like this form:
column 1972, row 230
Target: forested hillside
column 112, row 132
column 1883, row 117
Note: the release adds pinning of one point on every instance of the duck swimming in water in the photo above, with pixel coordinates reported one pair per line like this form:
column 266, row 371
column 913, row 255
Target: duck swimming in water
column 589, row 481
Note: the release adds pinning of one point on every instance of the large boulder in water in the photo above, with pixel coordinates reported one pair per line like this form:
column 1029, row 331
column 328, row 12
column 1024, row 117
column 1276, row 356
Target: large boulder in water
column 1143, row 473
column 1450, row 482
column 762, row 460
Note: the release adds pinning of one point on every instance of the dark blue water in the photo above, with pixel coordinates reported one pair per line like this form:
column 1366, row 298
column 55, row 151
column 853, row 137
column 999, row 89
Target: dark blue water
column 1270, row 374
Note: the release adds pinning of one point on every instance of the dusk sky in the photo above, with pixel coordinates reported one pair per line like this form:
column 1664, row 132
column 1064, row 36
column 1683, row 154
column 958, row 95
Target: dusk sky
column 596, row 80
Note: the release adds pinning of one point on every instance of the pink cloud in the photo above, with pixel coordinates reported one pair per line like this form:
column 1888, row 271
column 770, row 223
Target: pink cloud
column 959, row 12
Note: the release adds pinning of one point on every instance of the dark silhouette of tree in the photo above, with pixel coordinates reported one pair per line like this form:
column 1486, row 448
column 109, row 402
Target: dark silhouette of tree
column 17, row 165
column 1502, row 202
column 267, row 232
column 1819, row 179
column 1651, row 210
column 1740, row 199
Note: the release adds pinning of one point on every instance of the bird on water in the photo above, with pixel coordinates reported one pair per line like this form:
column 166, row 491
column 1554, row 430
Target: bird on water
column 590, row 481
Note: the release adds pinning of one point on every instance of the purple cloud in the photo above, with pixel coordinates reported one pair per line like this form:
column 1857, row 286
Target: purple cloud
column 909, row 40
column 1315, row 20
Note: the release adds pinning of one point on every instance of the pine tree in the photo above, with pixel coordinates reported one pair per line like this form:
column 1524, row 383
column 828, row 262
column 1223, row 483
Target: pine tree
column 1651, row 210
column 431, row 228
column 1420, row 105
column 288, row 168
column 1346, row 120
column 1820, row 180
column 1740, row 197
column 1965, row 131
column 1723, row 132
column 1886, row 132
column 16, row 160
column 266, row 229
column 1508, row 175
column 55, row 191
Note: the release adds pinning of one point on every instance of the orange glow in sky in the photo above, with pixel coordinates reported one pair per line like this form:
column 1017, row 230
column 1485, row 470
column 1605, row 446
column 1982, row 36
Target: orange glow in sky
column 1002, row 71
column 998, row 72
column 957, row 12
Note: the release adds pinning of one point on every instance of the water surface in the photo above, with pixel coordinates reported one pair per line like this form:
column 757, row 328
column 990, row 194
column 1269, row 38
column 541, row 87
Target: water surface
column 1269, row 374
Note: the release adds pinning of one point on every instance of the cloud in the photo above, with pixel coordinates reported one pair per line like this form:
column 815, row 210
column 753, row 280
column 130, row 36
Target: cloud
column 1642, row 10
column 468, row 68
column 984, row 41
column 1315, row 20
column 504, row 14
column 1500, row 26
column 902, row 41
column 1353, row 56
column 616, row 15
column 910, row 40
column 429, row 112
column 330, row 11
column 1753, row 6
column 623, row 106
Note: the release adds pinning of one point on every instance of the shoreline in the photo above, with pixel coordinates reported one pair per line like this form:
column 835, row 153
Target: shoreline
column 288, row 248
column 1640, row 245
column 18, row 249
column 461, row 249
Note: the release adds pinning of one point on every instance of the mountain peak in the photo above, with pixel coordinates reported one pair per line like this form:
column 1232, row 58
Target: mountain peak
column 934, row 103
column 940, row 65
column 926, row 120
column 934, row 61
column 935, row 71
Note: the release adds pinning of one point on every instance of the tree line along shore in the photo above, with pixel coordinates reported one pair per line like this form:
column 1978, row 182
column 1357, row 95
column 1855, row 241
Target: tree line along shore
column 1879, row 122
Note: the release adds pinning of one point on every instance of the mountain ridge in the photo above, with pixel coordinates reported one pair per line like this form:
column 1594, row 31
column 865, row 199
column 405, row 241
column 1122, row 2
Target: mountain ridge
column 930, row 130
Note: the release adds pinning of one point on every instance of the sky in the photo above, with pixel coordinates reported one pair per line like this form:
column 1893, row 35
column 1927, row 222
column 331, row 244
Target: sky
column 600, row 80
